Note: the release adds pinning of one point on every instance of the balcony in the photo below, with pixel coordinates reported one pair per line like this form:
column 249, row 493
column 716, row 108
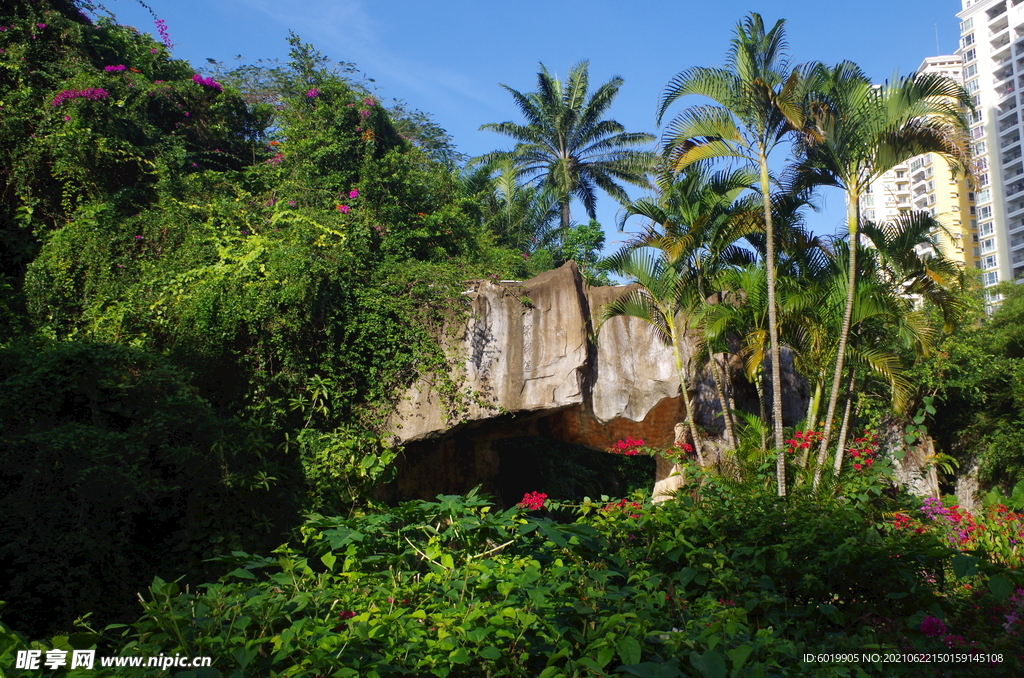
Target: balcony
column 1006, row 143
column 1007, row 159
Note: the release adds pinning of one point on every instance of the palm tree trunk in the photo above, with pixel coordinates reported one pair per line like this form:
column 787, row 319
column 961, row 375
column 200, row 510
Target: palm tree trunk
column 760, row 406
column 845, row 428
column 684, row 387
column 853, row 220
column 565, row 215
column 730, row 432
column 773, row 329
column 814, row 405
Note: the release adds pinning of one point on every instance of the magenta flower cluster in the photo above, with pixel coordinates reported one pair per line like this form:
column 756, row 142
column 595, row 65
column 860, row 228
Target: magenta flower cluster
column 209, row 83
column 114, row 69
column 932, row 626
column 92, row 94
column 161, row 27
column 313, row 93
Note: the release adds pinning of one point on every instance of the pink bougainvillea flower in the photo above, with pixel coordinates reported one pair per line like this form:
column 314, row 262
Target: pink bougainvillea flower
column 354, row 193
column 153, row 50
column 344, row 209
column 161, row 27
column 40, row 26
column 208, row 83
column 114, row 69
column 92, row 94
column 313, row 93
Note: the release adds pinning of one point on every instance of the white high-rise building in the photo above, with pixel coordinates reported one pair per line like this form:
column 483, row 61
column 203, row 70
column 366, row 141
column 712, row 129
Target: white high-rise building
column 992, row 48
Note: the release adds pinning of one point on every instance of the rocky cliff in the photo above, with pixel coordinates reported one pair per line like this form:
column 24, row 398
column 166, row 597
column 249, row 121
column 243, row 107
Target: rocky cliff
column 526, row 362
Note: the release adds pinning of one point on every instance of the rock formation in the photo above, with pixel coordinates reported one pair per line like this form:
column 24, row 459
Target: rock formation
column 527, row 363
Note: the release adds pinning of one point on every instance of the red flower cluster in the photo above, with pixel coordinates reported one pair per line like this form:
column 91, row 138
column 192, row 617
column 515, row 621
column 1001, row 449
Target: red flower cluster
column 802, row 440
column 865, row 452
column 901, row 520
column 533, row 501
column 683, row 447
column 629, row 447
column 621, row 505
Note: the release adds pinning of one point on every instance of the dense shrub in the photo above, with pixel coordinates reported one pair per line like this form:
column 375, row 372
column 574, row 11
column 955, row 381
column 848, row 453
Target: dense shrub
column 730, row 584
column 113, row 470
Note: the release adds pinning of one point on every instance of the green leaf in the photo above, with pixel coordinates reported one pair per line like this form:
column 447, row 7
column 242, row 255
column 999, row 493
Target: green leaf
column 1000, row 586
column 964, row 565
column 241, row 573
column 739, row 656
column 244, row 655
column 447, row 562
column 458, row 656
column 710, row 664
column 490, row 652
column 628, row 649
column 368, row 461
column 328, row 559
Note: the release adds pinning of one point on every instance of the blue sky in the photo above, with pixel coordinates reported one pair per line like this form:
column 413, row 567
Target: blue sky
column 447, row 58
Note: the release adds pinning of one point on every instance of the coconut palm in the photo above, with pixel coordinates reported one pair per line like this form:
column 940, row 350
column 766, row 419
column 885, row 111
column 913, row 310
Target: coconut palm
column 860, row 131
column 756, row 106
column 568, row 145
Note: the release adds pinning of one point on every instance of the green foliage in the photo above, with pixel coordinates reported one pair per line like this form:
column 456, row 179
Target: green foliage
column 978, row 373
column 113, row 470
column 725, row 584
column 284, row 264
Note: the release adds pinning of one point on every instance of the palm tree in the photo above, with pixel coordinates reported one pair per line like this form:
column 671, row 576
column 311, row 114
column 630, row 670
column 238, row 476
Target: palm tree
column 659, row 298
column 568, row 145
column 521, row 217
column 756, row 106
column 859, row 132
column 696, row 221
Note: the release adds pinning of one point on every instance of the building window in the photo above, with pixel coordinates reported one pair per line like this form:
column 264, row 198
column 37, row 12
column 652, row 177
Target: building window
column 985, row 212
column 988, row 228
column 967, row 40
column 971, row 71
column 970, row 55
column 988, row 245
column 980, row 148
column 983, row 179
column 989, row 262
column 966, row 25
column 973, row 86
column 984, row 196
column 974, row 238
column 990, row 278
column 901, row 174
